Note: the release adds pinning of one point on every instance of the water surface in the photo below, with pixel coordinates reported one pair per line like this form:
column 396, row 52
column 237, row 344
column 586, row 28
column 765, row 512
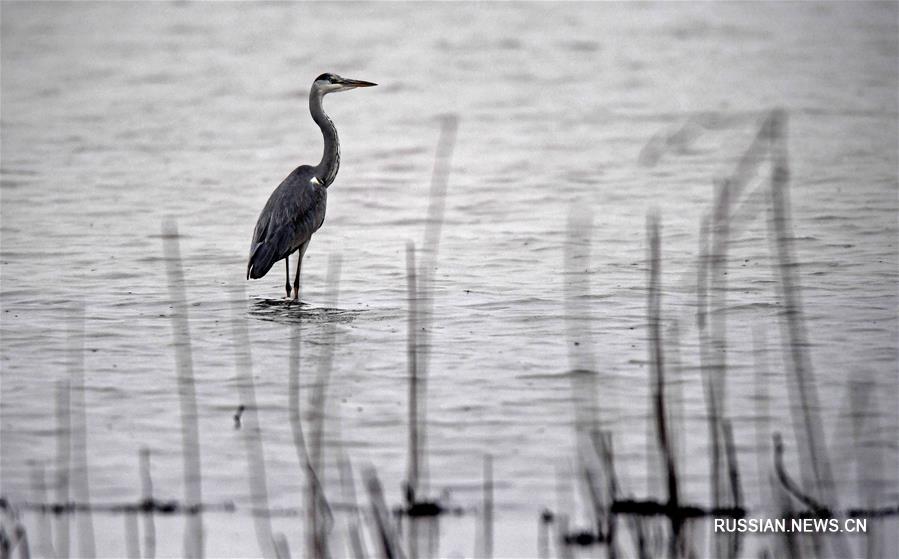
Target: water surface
column 118, row 116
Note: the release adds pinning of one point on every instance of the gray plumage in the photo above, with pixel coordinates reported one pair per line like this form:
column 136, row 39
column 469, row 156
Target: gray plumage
column 296, row 209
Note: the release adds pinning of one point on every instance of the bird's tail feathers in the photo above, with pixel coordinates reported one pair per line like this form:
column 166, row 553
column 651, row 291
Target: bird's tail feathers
column 262, row 258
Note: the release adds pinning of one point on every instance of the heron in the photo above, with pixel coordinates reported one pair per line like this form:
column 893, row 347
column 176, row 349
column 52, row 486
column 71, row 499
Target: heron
column 296, row 209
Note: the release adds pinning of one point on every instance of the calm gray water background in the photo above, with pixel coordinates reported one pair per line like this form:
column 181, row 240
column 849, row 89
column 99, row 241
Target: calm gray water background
column 116, row 116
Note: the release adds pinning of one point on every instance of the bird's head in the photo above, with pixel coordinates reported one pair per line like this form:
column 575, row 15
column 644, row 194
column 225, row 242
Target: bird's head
column 330, row 83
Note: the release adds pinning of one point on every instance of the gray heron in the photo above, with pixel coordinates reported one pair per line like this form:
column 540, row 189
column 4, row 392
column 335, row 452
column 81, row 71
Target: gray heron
column 296, row 209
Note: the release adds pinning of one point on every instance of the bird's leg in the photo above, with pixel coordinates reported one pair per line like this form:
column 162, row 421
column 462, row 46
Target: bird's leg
column 296, row 279
column 287, row 265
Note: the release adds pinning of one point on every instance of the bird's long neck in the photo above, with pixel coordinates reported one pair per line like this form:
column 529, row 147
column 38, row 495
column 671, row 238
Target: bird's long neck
column 327, row 169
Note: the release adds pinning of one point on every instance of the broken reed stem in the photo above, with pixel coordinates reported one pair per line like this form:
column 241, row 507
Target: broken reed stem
column 795, row 330
column 702, row 311
column 326, row 362
column 356, row 543
column 21, row 538
column 791, row 487
column 563, row 550
column 543, row 530
column 488, row 507
column 80, row 477
column 603, row 442
column 63, row 461
column 592, row 487
column 744, row 171
column 132, row 539
column 252, row 430
column 294, row 417
column 576, row 261
column 412, row 363
column 638, row 531
column 282, row 549
column 44, row 540
column 762, row 421
column 424, row 284
column 190, row 433
column 146, row 484
column 734, row 477
column 718, row 331
column 867, row 412
column 707, row 365
column 439, row 183
column 811, row 438
column 15, row 541
column 789, row 545
column 657, row 367
column 322, row 518
column 385, row 536
column 315, row 501
column 674, row 393
column 581, row 357
column 412, row 350
column 733, row 466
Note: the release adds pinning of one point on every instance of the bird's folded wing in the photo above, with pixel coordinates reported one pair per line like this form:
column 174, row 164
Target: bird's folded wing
column 268, row 250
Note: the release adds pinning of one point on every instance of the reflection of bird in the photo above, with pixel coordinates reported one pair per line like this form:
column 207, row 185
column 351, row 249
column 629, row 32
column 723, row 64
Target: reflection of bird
column 296, row 209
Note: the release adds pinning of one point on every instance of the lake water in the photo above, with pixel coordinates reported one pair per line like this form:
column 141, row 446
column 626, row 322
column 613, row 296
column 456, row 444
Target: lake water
column 118, row 116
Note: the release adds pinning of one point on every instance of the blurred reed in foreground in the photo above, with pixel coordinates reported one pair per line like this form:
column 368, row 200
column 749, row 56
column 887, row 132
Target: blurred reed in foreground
column 596, row 512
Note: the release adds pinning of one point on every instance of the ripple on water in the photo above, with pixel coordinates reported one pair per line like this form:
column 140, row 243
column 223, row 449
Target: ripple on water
column 289, row 312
